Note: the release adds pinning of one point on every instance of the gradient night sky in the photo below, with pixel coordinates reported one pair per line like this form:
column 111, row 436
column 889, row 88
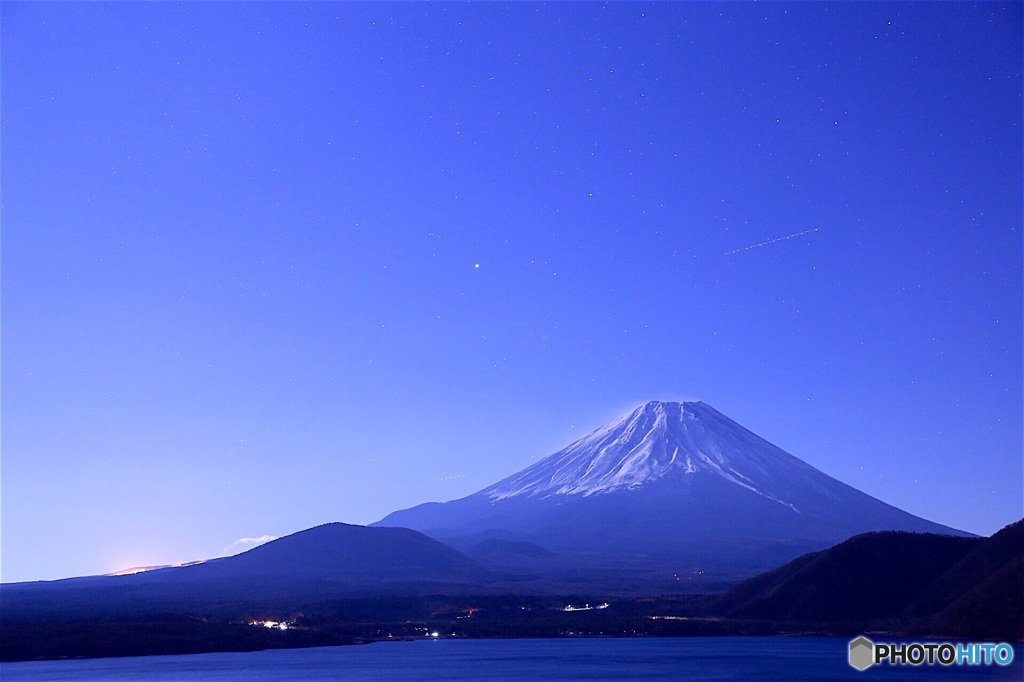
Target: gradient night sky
column 267, row 266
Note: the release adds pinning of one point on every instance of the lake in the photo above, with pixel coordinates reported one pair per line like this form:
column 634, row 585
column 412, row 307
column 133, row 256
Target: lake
column 789, row 659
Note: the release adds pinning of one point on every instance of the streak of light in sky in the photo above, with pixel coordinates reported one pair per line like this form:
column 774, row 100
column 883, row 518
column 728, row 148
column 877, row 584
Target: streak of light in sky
column 771, row 241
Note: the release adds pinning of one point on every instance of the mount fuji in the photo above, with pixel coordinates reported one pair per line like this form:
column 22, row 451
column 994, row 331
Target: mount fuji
column 672, row 496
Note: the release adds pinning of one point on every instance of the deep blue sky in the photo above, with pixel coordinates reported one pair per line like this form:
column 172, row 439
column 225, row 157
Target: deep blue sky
column 271, row 265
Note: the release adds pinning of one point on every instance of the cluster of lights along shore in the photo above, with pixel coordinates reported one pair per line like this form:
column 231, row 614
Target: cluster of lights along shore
column 273, row 624
column 288, row 625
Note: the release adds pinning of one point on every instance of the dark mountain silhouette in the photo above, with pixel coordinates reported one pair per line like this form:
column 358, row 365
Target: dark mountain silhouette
column 335, row 559
column 676, row 494
column 911, row 582
column 509, row 555
column 343, row 552
column 868, row 576
column 981, row 594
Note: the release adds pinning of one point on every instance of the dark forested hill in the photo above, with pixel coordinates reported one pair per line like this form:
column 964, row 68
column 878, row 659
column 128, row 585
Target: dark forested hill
column 917, row 582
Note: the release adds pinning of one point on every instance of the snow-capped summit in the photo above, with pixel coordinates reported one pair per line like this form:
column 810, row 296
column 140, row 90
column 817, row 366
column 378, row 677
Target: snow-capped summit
column 654, row 441
column 670, row 486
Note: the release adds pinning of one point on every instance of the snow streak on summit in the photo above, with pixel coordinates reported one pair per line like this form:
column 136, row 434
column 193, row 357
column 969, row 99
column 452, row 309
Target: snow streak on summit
column 655, row 441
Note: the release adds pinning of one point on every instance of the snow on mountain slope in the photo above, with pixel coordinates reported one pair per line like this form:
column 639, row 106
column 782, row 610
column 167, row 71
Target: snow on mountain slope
column 655, row 441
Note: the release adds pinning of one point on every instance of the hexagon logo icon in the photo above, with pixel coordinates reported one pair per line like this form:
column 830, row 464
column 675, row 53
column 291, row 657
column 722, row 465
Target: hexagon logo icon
column 862, row 653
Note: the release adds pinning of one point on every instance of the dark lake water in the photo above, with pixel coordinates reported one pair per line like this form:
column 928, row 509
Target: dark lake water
column 789, row 659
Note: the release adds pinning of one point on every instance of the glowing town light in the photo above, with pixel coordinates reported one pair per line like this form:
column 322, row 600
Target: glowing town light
column 272, row 624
